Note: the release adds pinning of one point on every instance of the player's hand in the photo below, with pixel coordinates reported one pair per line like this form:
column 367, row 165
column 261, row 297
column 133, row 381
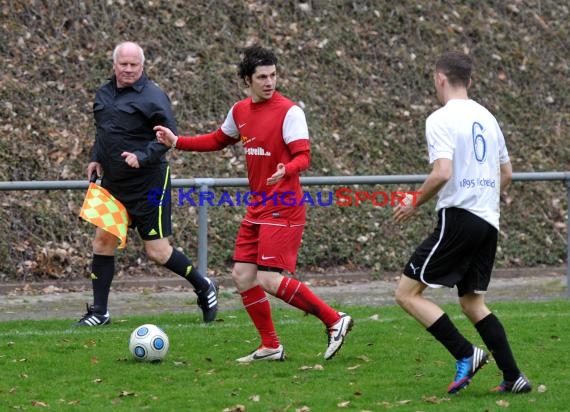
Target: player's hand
column 130, row 159
column 278, row 175
column 94, row 167
column 165, row 136
column 405, row 210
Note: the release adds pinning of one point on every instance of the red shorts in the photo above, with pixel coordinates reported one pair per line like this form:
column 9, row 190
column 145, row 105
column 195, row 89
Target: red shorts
column 268, row 245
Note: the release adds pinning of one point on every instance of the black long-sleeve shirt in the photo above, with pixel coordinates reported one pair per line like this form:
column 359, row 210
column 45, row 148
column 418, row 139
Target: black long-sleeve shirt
column 124, row 121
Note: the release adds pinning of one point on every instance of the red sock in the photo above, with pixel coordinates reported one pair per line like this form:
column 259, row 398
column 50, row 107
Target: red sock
column 297, row 294
column 257, row 305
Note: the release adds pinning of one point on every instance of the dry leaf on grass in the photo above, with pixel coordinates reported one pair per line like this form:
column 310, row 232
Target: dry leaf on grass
column 503, row 403
column 235, row 408
column 434, row 399
column 316, row 367
column 40, row 404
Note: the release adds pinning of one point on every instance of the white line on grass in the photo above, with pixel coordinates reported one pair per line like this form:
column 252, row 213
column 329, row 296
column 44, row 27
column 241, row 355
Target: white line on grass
column 113, row 328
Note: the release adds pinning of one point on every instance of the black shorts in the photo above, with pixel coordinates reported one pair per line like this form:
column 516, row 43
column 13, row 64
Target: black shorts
column 460, row 252
column 148, row 201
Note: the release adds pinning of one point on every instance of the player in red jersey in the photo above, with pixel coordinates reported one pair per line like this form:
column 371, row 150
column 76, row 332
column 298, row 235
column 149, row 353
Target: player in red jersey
column 275, row 137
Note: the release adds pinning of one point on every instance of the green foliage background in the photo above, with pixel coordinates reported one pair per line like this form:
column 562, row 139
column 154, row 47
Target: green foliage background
column 362, row 72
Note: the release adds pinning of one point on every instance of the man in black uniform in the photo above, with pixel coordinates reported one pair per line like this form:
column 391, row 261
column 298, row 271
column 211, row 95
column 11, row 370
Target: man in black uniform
column 134, row 170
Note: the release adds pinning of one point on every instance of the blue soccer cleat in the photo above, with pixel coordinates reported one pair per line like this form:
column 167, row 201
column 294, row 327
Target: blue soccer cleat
column 467, row 368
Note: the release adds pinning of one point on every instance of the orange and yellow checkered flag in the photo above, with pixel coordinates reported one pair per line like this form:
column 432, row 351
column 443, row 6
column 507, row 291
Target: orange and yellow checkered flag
column 103, row 210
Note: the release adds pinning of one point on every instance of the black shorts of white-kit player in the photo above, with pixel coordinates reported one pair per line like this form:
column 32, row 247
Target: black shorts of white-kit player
column 460, row 252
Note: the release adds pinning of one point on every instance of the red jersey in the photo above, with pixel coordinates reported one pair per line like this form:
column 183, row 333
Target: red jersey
column 271, row 131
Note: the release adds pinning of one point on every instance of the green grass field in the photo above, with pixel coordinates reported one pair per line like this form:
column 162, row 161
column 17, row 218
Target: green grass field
column 388, row 363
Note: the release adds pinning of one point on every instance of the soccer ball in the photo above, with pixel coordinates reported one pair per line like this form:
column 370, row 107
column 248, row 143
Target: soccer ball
column 148, row 343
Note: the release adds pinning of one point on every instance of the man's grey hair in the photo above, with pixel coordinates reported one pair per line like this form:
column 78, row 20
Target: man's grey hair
column 121, row 45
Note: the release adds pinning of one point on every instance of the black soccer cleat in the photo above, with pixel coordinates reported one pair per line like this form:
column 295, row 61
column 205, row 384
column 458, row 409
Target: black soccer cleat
column 520, row 385
column 92, row 318
column 208, row 302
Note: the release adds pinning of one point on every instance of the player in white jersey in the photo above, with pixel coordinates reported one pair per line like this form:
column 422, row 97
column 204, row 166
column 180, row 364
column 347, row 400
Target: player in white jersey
column 470, row 167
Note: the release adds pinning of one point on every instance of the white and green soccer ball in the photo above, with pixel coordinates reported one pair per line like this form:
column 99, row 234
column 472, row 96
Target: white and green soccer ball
column 148, row 343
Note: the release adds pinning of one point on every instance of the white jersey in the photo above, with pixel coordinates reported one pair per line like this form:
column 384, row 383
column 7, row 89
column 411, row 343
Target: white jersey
column 469, row 135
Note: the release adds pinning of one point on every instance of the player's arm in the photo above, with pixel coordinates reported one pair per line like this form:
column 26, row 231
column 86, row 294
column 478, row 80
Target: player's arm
column 94, row 165
column 438, row 177
column 506, row 175
column 226, row 135
column 300, row 162
column 204, row 143
column 152, row 154
column 506, row 167
column 296, row 137
column 158, row 109
column 208, row 142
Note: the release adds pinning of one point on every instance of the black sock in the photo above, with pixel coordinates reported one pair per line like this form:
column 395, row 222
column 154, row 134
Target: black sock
column 446, row 333
column 493, row 334
column 182, row 266
column 102, row 273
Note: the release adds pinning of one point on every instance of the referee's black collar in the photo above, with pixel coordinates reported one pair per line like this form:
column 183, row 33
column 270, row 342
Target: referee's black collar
column 137, row 86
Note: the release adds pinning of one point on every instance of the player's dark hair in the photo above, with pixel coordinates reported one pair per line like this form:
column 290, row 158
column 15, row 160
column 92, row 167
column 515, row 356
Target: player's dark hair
column 456, row 66
column 254, row 56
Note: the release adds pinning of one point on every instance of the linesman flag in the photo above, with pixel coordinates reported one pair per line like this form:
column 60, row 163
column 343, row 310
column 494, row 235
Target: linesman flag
column 103, row 210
